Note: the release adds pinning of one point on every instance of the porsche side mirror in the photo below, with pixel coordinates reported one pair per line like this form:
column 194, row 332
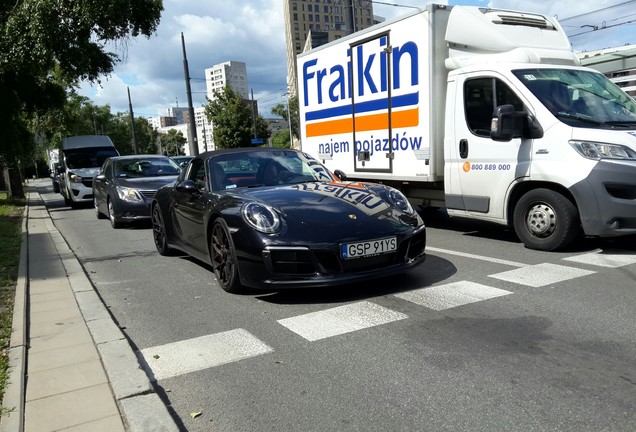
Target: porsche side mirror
column 187, row 186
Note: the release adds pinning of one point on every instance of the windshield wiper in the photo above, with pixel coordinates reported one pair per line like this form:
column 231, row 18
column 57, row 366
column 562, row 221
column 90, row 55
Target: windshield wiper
column 584, row 119
column 621, row 123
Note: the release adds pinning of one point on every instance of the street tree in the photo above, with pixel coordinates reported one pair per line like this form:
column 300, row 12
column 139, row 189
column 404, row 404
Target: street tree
column 172, row 142
column 280, row 139
column 281, row 111
column 233, row 120
column 47, row 46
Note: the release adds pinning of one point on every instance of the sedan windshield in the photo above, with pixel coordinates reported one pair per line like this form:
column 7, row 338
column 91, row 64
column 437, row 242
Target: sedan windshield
column 146, row 167
column 265, row 168
column 580, row 98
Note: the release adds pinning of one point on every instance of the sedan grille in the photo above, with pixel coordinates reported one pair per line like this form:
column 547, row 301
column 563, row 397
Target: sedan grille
column 88, row 182
column 148, row 194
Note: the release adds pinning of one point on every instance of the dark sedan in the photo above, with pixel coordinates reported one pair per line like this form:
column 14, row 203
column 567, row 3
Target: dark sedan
column 276, row 218
column 125, row 185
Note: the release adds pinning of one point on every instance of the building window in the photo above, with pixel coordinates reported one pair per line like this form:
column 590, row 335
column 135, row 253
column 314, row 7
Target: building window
column 294, row 6
column 311, row 17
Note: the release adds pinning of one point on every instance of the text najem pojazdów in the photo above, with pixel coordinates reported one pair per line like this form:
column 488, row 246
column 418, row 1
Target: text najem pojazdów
column 399, row 142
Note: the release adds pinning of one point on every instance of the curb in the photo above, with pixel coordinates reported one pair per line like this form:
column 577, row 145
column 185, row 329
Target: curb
column 14, row 394
column 140, row 407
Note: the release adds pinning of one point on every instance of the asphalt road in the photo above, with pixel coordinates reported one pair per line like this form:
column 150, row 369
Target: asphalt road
column 485, row 336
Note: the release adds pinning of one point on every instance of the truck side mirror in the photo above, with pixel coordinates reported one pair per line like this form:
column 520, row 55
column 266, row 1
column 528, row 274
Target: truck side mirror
column 340, row 175
column 507, row 124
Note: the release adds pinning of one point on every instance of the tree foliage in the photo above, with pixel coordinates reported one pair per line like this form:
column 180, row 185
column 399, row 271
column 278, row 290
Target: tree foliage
column 280, row 139
column 172, row 143
column 281, row 110
column 47, row 46
column 233, row 120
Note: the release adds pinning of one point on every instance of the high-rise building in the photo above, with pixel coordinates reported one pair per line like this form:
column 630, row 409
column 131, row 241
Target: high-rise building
column 230, row 73
column 311, row 23
column 180, row 113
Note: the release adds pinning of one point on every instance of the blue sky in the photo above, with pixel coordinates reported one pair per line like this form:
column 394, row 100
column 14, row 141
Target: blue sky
column 252, row 31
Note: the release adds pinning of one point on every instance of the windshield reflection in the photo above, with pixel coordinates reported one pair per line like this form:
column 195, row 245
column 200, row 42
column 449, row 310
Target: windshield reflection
column 580, row 98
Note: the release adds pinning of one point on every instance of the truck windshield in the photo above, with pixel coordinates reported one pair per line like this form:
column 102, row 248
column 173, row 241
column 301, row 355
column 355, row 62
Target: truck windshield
column 580, row 98
column 88, row 157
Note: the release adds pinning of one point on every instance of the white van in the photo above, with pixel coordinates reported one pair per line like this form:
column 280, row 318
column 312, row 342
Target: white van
column 82, row 156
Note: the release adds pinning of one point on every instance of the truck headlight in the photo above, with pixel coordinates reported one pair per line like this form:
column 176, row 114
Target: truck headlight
column 128, row 194
column 74, row 178
column 598, row 150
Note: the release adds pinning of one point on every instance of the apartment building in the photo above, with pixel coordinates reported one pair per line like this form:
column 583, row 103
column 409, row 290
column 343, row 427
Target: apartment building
column 230, row 73
column 311, row 23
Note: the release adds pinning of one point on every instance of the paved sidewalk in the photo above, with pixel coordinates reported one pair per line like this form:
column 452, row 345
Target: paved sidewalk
column 71, row 368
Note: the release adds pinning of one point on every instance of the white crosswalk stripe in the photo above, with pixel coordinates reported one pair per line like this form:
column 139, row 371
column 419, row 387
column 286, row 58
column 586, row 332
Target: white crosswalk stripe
column 541, row 274
column 339, row 320
column 203, row 352
column 452, row 295
column 603, row 259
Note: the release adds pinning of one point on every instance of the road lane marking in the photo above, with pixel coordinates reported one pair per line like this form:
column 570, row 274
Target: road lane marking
column 602, row 259
column 203, row 352
column 339, row 320
column 541, row 274
column 477, row 257
column 452, row 295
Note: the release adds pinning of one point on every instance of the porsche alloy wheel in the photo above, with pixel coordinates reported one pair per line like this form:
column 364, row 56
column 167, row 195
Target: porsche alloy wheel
column 223, row 258
column 159, row 232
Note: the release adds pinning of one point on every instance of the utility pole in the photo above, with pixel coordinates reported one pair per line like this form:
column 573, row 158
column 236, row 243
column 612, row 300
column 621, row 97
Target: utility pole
column 350, row 16
column 253, row 113
column 291, row 140
column 194, row 145
column 132, row 123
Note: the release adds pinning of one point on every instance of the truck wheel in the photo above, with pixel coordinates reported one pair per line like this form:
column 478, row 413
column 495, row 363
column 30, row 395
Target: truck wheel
column 546, row 220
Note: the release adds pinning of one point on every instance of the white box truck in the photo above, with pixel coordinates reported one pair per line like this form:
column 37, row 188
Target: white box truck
column 82, row 156
column 484, row 112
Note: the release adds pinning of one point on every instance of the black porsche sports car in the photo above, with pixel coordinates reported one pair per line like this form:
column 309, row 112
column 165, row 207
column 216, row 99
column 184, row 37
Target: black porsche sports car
column 277, row 218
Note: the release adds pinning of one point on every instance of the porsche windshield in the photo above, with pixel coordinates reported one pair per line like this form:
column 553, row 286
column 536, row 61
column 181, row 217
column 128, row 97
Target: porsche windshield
column 580, row 98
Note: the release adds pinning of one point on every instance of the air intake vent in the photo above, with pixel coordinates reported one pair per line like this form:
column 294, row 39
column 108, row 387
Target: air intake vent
column 520, row 20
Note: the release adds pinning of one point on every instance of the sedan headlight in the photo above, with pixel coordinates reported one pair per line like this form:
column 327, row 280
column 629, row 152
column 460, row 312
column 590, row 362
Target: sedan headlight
column 399, row 201
column 598, row 151
column 74, row 178
column 261, row 217
column 128, row 194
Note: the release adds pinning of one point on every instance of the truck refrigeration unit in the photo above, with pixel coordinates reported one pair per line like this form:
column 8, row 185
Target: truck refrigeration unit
column 484, row 112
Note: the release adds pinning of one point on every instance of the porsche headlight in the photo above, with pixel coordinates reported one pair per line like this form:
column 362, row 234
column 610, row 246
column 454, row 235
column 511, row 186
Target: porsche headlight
column 128, row 194
column 261, row 217
column 598, row 151
column 399, row 201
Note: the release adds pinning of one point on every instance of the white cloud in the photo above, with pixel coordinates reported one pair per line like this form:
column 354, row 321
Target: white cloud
column 253, row 31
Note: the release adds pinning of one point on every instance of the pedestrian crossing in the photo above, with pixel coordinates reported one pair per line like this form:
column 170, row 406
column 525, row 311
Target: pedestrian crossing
column 182, row 357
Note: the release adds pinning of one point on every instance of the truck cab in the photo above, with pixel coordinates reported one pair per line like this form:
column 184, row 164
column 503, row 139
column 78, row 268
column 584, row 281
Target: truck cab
column 82, row 156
